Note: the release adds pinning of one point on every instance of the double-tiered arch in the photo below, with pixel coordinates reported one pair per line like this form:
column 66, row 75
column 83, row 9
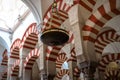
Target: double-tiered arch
column 30, row 37
column 15, row 49
column 31, row 58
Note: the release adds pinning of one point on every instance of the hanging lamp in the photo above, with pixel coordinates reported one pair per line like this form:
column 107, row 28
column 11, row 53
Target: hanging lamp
column 112, row 66
column 54, row 36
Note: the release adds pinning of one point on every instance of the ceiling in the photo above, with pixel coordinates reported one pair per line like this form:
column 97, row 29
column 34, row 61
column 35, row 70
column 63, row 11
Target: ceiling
column 11, row 15
column 11, row 12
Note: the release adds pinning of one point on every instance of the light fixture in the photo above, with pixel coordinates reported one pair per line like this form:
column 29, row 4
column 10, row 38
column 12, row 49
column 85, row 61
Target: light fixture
column 54, row 36
column 112, row 66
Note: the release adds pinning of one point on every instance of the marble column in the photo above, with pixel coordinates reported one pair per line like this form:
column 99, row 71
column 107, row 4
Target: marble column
column 10, row 65
column 89, row 69
column 13, row 77
column 23, row 55
column 43, row 75
column 27, row 74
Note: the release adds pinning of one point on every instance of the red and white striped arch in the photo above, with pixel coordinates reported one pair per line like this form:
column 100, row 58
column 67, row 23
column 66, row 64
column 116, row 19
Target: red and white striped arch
column 30, row 37
column 5, row 61
column 61, row 5
column 56, row 22
column 15, row 49
column 60, row 60
column 4, row 76
column 107, row 59
column 5, row 58
column 31, row 58
column 52, row 52
column 76, row 72
column 5, row 53
column 87, row 4
column 73, row 55
column 61, row 73
column 99, row 18
column 15, row 68
column 111, row 74
column 104, row 39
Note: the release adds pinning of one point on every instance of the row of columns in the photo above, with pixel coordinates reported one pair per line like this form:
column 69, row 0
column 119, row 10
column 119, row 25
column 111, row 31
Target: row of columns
column 24, row 74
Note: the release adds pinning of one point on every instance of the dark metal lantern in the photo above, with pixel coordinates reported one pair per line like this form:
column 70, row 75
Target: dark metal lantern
column 54, row 36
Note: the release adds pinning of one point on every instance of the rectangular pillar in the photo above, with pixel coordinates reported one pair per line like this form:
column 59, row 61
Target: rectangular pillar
column 76, row 29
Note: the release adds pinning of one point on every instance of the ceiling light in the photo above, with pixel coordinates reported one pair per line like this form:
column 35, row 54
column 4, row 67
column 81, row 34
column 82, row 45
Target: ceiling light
column 54, row 35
